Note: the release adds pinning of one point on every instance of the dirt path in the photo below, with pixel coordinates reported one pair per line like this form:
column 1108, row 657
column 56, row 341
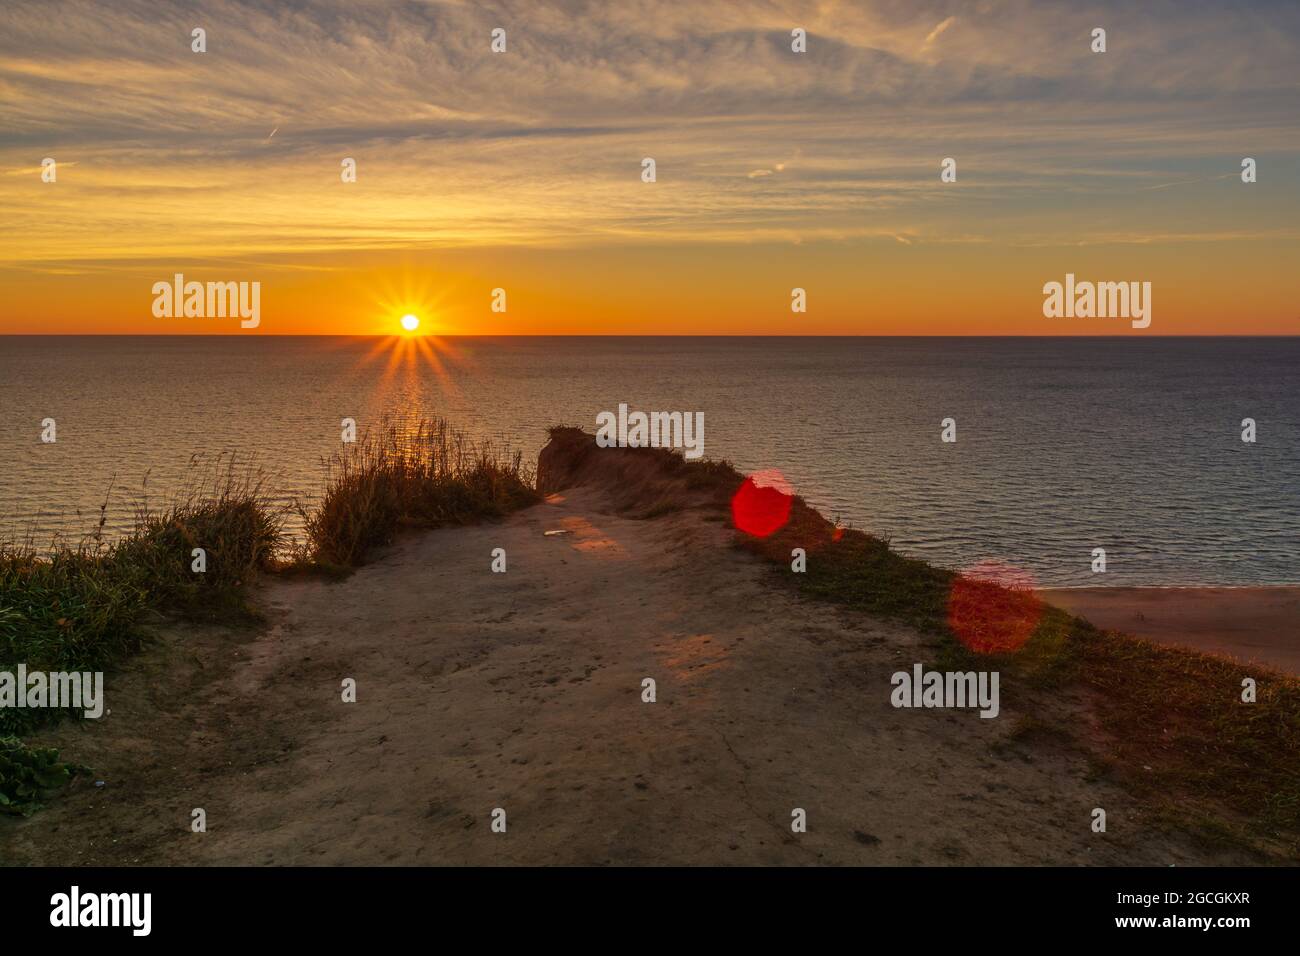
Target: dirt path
column 523, row 691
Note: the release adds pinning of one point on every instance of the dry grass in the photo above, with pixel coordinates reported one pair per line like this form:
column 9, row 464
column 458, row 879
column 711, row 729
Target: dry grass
column 1166, row 723
column 230, row 513
column 75, row 607
column 426, row 476
column 79, row 607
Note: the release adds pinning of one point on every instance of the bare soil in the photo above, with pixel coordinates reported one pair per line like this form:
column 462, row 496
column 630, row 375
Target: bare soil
column 523, row 691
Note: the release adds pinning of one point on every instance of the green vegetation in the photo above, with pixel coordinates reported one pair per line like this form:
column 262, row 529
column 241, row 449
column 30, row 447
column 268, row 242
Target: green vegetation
column 72, row 610
column 1167, row 724
column 233, row 517
column 27, row 774
column 78, row 608
column 67, row 608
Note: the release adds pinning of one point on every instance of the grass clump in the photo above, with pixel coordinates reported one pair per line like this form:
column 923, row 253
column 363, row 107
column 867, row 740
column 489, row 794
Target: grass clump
column 231, row 515
column 79, row 608
column 425, row 475
column 27, row 774
column 71, row 610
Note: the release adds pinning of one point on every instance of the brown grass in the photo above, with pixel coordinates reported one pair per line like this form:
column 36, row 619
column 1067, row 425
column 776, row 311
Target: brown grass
column 424, row 476
column 79, row 607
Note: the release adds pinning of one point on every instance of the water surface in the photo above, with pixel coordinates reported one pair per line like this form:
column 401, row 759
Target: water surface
column 1132, row 444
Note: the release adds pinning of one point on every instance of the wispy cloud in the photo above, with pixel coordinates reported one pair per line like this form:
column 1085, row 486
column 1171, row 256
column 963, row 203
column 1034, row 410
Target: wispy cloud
column 161, row 149
column 934, row 34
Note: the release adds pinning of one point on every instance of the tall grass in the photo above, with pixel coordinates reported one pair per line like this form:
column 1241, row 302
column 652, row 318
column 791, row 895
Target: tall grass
column 424, row 475
column 79, row 607
column 71, row 610
column 231, row 514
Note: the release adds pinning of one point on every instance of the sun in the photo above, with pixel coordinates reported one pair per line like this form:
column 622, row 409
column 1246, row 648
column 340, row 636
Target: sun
column 414, row 346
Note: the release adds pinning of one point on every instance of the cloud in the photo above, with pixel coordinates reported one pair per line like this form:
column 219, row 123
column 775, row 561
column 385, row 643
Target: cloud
column 456, row 145
column 934, row 34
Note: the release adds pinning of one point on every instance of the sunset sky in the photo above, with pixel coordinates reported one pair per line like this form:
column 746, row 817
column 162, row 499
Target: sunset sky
column 522, row 170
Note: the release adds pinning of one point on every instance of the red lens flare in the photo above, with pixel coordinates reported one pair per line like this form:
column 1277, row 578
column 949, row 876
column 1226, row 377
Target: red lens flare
column 993, row 607
column 762, row 505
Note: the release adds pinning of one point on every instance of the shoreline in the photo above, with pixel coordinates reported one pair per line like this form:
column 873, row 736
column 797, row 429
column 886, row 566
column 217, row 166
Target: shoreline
column 1252, row 624
column 1167, row 587
column 524, row 691
column 647, row 686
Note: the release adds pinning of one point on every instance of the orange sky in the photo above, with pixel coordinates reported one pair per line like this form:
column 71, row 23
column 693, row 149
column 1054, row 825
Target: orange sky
column 775, row 170
column 878, row 287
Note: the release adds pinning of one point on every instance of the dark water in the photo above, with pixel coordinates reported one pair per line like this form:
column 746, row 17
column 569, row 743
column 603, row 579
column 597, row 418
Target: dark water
column 1131, row 444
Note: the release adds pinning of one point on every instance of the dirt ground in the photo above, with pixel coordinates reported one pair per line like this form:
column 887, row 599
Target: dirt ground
column 523, row 691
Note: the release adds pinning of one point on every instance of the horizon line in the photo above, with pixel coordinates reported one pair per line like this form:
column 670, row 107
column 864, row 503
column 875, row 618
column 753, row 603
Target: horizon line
column 645, row 335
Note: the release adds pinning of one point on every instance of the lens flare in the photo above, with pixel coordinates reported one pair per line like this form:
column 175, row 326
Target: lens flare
column 762, row 505
column 993, row 607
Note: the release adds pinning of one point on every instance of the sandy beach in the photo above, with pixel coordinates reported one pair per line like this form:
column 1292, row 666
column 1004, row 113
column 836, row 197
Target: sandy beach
column 1259, row 625
column 523, row 691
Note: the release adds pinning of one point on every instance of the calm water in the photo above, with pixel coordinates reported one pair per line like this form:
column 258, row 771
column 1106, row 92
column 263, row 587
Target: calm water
column 1064, row 445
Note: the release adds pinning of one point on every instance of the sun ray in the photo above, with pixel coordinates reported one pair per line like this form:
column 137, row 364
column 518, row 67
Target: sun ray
column 445, row 381
column 409, row 307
